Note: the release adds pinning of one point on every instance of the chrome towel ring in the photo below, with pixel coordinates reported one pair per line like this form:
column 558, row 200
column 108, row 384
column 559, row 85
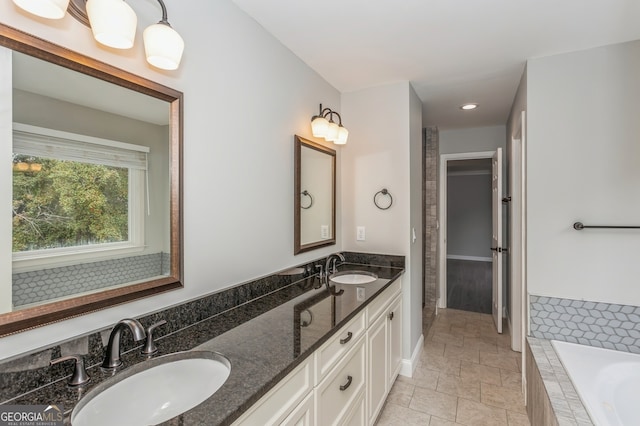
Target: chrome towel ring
column 383, row 191
column 306, row 193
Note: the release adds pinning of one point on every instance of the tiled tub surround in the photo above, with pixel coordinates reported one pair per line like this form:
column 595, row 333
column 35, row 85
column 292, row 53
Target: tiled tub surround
column 551, row 397
column 252, row 324
column 52, row 283
column 603, row 325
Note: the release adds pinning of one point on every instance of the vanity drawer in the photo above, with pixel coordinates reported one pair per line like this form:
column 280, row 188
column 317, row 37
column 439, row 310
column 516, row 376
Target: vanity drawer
column 334, row 349
column 280, row 401
column 338, row 393
column 380, row 303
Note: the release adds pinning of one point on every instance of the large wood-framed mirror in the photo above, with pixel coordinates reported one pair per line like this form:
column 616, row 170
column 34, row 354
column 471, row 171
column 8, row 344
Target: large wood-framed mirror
column 96, row 187
column 314, row 195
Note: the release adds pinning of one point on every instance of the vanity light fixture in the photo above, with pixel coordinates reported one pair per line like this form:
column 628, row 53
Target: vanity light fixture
column 50, row 9
column 328, row 129
column 23, row 166
column 113, row 23
column 468, row 107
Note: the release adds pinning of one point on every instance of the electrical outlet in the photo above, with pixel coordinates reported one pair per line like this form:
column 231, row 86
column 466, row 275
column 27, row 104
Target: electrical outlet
column 324, row 232
column 360, row 234
column 360, row 295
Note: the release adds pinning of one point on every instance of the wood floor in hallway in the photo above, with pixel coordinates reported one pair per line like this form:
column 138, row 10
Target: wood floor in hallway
column 467, row 375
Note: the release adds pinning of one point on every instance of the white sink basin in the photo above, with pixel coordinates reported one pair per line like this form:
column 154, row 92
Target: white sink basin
column 353, row 277
column 153, row 391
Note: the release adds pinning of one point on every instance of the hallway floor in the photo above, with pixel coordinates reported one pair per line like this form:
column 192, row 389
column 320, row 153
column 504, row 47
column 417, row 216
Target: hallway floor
column 467, row 375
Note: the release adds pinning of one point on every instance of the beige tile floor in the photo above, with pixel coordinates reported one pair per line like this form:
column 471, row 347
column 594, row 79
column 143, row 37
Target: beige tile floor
column 467, row 375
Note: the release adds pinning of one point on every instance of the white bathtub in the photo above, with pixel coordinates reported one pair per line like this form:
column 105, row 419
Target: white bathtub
column 607, row 381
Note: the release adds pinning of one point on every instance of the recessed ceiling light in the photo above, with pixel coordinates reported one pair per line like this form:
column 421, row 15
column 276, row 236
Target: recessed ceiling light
column 468, row 107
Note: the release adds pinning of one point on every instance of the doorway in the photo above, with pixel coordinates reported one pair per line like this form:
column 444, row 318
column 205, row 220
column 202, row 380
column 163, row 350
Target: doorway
column 469, row 235
column 466, row 261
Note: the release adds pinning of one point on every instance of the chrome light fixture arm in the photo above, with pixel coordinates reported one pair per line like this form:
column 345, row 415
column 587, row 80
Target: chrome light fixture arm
column 326, row 112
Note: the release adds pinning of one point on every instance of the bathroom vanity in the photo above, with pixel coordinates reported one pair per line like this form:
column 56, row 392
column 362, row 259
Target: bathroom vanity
column 298, row 354
column 354, row 369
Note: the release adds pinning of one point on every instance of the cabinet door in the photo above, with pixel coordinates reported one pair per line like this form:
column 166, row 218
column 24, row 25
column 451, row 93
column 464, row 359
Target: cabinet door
column 303, row 415
column 377, row 366
column 357, row 416
column 395, row 339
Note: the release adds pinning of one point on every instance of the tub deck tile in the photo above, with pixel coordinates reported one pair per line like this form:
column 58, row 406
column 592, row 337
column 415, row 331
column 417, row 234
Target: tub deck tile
column 564, row 398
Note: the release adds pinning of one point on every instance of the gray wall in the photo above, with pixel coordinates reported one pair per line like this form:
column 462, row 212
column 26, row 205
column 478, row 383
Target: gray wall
column 474, row 139
column 469, row 215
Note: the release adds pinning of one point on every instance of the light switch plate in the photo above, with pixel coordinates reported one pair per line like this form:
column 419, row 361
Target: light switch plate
column 324, row 231
column 360, row 234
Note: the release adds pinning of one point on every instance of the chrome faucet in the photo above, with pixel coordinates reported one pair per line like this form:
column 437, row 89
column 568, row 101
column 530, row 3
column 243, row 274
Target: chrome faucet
column 330, row 265
column 112, row 356
column 330, row 268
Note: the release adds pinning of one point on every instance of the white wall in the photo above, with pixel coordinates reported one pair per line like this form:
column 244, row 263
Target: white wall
column 382, row 131
column 472, row 139
column 583, row 164
column 245, row 97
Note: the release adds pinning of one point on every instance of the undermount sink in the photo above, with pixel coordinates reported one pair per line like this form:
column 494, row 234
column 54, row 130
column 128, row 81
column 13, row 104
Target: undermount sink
column 353, row 277
column 153, row 391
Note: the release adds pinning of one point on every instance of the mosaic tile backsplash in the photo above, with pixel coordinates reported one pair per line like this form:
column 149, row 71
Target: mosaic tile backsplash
column 604, row 325
column 53, row 283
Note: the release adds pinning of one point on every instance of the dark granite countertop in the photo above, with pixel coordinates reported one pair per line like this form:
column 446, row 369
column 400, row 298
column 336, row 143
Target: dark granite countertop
column 264, row 340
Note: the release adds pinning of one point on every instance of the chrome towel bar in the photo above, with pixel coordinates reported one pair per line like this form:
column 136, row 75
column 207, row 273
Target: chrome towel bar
column 579, row 226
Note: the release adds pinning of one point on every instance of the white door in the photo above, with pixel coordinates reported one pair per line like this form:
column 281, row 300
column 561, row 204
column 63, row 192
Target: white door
column 496, row 239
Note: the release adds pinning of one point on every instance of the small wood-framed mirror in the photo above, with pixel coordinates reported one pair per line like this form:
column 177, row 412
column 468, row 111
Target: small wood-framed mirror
column 314, row 195
column 105, row 125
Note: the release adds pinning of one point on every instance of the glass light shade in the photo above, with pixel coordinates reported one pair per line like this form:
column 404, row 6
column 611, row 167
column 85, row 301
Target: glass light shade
column 163, row 46
column 343, row 135
column 319, row 127
column 332, row 133
column 50, row 9
column 22, row 167
column 113, row 22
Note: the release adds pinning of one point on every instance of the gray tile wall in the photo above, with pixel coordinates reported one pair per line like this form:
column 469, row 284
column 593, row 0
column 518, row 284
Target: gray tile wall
column 604, row 325
column 430, row 196
column 52, row 283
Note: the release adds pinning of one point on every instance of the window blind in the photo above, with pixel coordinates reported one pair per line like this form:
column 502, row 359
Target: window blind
column 68, row 146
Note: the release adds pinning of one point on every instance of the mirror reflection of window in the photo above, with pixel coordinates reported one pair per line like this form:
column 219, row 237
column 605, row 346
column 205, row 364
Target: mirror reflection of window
column 90, row 188
column 70, row 193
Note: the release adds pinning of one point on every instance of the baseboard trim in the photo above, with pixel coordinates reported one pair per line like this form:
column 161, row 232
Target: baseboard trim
column 472, row 258
column 409, row 365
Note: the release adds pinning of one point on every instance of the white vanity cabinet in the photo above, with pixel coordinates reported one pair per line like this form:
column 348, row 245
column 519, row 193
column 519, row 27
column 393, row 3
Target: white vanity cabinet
column 394, row 313
column 346, row 380
column 303, row 414
column 286, row 398
column 384, row 347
